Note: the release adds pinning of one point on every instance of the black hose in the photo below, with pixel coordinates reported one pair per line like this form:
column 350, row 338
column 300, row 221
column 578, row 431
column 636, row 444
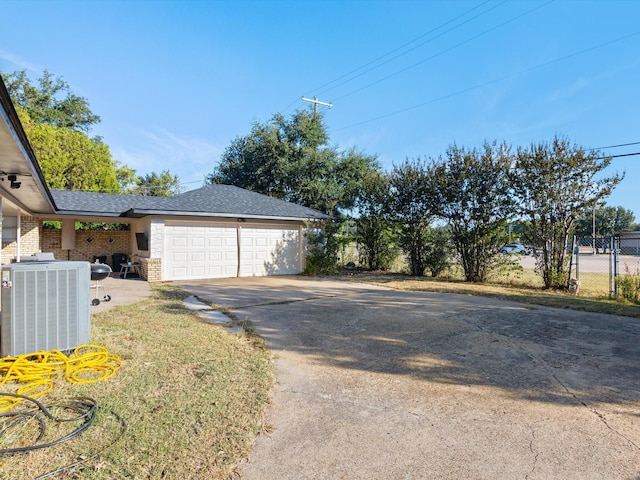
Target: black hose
column 72, row 466
column 85, row 408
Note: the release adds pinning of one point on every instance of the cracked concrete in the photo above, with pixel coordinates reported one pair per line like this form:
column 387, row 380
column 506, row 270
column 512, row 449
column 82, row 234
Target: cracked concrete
column 379, row 384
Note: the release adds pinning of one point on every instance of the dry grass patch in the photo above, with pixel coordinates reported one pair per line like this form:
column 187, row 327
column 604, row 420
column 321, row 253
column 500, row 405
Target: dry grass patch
column 515, row 290
column 193, row 397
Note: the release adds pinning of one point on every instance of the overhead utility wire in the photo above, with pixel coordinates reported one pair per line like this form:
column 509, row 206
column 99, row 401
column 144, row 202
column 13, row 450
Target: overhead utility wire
column 616, row 146
column 395, row 50
column 619, row 155
column 445, row 51
column 490, row 82
column 323, row 88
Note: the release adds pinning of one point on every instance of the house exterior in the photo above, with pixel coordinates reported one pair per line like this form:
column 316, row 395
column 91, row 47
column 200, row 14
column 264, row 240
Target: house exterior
column 213, row 232
column 629, row 243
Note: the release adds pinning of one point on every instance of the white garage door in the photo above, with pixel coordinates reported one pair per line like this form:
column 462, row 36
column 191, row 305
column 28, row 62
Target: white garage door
column 195, row 251
column 269, row 251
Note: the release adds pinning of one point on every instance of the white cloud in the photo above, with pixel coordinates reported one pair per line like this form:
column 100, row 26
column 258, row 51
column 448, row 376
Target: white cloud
column 566, row 91
column 18, row 63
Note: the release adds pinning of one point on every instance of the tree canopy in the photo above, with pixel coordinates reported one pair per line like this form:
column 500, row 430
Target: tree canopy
column 554, row 183
column 50, row 101
column 69, row 159
column 57, row 123
column 608, row 221
column 474, row 197
column 412, row 207
column 164, row 184
column 290, row 159
column 374, row 233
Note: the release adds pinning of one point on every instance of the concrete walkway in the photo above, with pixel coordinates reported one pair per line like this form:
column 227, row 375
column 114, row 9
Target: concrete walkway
column 381, row 384
column 123, row 291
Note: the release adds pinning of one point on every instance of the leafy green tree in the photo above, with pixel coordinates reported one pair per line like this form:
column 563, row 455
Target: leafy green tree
column 164, row 184
column 324, row 242
column 474, row 197
column 70, row 159
column 374, row 235
column 290, row 159
column 412, row 207
column 56, row 123
column 50, row 101
column 437, row 256
column 555, row 183
column 127, row 179
column 517, row 229
column 608, row 221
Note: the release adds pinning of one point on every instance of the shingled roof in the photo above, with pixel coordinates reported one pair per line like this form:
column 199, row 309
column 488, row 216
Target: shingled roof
column 212, row 200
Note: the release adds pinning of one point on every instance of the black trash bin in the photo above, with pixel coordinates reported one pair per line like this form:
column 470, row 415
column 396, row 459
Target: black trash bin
column 117, row 259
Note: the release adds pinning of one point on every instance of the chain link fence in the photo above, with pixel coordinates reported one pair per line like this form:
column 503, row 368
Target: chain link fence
column 607, row 266
column 595, row 265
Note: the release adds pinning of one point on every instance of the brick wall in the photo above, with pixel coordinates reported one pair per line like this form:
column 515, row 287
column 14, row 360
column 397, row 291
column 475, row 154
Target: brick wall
column 30, row 241
column 151, row 269
column 89, row 244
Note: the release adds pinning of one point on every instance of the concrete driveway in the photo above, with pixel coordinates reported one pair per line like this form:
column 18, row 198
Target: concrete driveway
column 381, row 384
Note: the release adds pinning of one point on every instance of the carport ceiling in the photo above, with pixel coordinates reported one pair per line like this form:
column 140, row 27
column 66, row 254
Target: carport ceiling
column 16, row 158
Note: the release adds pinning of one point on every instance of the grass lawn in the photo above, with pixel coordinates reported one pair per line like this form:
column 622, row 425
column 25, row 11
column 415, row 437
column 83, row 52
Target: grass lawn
column 525, row 287
column 193, row 397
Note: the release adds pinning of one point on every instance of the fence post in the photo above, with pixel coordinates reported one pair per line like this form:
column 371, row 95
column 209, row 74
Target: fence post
column 576, row 254
column 610, row 269
column 616, row 244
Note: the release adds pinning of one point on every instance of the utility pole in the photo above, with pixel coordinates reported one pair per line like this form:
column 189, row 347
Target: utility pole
column 316, row 102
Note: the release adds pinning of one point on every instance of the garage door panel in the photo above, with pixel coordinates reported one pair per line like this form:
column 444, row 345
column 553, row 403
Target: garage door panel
column 194, row 251
column 179, row 256
column 198, row 256
column 199, row 251
column 269, row 251
column 197, row 242
column 179, row 241
column 180, row 272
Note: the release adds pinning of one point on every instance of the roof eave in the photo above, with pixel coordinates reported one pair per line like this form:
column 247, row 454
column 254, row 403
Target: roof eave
column 83, row 213
column 139, row 213
column 33, row 175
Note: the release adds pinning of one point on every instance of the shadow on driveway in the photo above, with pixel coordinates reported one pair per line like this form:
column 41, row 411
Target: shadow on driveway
column 377, row 383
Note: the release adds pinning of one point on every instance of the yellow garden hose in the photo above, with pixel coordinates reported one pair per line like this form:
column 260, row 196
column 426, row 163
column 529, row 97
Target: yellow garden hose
column 36, row 371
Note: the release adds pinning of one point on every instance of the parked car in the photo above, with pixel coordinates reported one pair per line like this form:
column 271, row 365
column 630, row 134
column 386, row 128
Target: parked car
column 514, row 249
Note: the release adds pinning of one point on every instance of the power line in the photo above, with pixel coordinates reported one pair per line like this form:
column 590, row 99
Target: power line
column 616, row 146
column 619, row 155
column 320, row 91
column 399, row 48
column 446, row 50
column 491, row 82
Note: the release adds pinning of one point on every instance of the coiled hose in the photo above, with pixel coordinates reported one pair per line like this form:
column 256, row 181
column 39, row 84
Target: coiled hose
column 83, row 410
column 36, row 371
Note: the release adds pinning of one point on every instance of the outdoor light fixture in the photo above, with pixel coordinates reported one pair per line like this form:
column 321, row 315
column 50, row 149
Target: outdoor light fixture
column 14, row 183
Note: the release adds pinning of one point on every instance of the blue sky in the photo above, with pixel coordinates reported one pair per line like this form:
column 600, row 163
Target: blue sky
column 176, row 81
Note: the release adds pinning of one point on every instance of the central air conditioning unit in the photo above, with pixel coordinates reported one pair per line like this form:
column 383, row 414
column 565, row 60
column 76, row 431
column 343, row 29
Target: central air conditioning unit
column 45, row 306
